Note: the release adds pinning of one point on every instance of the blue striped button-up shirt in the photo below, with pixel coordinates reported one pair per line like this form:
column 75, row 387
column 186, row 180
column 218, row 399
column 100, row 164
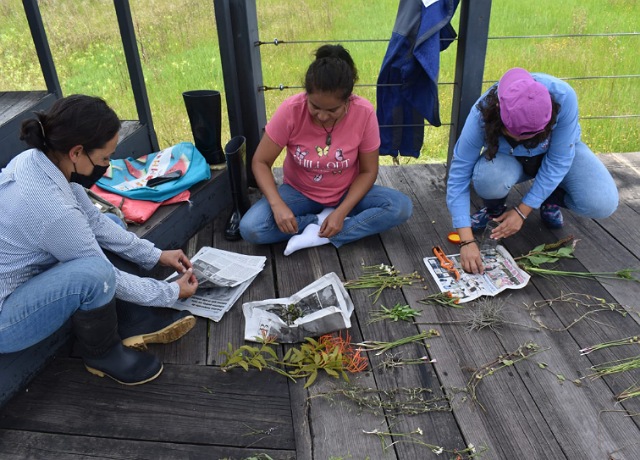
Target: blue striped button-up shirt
column 46, row 220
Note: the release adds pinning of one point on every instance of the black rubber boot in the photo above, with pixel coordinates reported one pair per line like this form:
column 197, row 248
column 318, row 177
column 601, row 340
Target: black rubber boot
column 236, row 152
column 139, row 326
column 103, row 353
column 205, row 115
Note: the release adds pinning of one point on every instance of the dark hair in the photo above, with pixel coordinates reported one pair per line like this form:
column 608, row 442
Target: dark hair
column 72, row 120
column 332, row 71
column 490, row 113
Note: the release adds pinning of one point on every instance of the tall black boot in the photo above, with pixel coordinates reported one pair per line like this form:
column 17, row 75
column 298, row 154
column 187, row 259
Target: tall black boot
column 236, row 152
column 205, row 115
column 103, row 353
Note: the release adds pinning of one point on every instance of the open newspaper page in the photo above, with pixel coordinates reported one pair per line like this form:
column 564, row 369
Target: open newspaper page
column 215, row 267
column 322, row 307
column 222, row 278
column 500, row 273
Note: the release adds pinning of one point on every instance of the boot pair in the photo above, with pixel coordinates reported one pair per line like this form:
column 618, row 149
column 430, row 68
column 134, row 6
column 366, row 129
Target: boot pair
column 104, row 346
column 550, row 212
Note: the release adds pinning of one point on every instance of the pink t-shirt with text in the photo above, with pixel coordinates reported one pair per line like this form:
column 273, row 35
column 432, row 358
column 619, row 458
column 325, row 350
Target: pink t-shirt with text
column 320, row 172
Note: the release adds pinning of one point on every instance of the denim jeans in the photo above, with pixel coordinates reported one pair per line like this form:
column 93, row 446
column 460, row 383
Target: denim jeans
column 590, row 189
column 380, row 209
column 39, row 307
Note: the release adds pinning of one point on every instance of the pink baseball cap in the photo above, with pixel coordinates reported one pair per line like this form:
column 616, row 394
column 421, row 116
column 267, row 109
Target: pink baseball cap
column 525, row 104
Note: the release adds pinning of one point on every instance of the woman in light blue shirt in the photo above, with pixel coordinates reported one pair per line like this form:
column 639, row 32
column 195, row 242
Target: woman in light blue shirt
column 52, row 264
column 525, row 127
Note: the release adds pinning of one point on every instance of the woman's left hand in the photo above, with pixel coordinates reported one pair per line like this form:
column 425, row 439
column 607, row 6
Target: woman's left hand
column 510, row 224
column 332, row 225
column 175, row 258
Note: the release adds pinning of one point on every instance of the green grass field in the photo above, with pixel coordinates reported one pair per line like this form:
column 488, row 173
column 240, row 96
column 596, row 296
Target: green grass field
column 179, row 49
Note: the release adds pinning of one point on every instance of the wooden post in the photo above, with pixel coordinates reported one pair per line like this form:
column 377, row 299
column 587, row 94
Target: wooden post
column 472, row 50
column 237, row 24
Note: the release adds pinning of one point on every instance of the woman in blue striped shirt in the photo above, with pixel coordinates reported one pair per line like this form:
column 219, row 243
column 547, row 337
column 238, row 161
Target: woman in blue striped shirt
column 52, row 264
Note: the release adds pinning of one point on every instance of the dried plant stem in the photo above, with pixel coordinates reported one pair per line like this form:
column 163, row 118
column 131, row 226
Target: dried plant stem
column 394, row 402
column 576, row 300
column 507, row 360
column 371, row 345
column 382, row 277
column 470, row 451
column 613, row 343
column 632, row 392
column 615, row 367
column 392, row 361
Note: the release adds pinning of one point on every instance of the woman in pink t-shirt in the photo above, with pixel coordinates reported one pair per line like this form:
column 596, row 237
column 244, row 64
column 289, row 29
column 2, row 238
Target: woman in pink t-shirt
column 331, row 138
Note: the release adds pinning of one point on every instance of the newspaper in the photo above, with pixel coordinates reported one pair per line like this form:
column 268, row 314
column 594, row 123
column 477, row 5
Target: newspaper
column 500, row 273
column 222, row 278
column 322, row 307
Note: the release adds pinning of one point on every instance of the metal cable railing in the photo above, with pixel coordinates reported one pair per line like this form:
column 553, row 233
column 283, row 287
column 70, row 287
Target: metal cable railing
column 282, row 87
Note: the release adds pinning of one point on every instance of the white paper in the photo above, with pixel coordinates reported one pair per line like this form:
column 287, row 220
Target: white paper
column 222, row 278
column 500, row 273
column 324, row 306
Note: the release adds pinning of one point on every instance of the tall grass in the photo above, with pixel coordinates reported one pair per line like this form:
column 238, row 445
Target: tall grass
column 179, row 49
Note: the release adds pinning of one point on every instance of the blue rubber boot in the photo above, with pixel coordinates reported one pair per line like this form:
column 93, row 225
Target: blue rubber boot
column 491, row 210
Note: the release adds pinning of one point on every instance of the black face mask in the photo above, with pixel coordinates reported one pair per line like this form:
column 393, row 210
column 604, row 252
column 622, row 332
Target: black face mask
column 88, row 181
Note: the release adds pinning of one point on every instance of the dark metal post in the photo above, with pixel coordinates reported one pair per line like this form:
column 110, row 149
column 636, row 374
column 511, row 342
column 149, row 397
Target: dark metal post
column 127, row 32
column 237, row 24
column 34, row 18
column 472, row 50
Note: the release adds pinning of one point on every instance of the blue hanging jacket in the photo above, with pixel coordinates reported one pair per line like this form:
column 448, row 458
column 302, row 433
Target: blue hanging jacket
column 410, row 68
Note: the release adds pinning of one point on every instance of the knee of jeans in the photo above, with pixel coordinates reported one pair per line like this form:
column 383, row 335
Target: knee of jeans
column 101, row 277
column 492, row 187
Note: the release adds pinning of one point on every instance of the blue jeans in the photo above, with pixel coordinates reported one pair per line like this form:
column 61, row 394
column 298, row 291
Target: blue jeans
column 590, row 189
column 39, row 307
column 380, row 209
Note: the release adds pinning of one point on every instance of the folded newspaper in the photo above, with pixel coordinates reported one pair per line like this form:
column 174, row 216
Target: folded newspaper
column 322, row 307
column 222, row 278
column 500, row 273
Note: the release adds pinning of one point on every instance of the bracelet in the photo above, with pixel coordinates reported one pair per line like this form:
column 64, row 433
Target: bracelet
column 464, row 243
column 516, row 209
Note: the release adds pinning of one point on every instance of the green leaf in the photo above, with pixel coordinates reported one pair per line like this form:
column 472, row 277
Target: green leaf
column 538, row 248
column 543, row 365
column 561, row 377
column 331, row 372
column 565, row 252
column 311, row 379
column 507, row 362
column 244, row 365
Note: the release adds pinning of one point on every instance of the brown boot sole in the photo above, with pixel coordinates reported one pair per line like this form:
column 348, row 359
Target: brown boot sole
column 167, row 335
column 99, row 373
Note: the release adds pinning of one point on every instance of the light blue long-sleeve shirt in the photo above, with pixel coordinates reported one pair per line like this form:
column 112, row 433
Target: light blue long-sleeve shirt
column 46, row 220
column 559, row 150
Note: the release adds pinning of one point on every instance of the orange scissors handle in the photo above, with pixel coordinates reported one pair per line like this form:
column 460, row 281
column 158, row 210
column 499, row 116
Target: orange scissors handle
column 445, row 262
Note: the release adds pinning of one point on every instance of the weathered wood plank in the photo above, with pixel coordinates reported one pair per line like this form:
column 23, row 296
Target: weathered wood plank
column 23, row 445
column 330, row 430
column 186, row 404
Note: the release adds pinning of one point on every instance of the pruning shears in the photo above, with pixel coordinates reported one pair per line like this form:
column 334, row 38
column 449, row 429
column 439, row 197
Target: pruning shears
column 445, row 262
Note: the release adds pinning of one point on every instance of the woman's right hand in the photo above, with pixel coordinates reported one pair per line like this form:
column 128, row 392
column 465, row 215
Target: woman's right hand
column 471, row 259
column 285, row 219
column 188, row 284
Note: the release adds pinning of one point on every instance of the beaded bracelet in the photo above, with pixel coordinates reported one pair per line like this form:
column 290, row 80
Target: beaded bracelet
column 516, row 209
column 464, row 243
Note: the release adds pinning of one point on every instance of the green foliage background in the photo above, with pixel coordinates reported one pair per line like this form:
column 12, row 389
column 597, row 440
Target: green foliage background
column 179, row 48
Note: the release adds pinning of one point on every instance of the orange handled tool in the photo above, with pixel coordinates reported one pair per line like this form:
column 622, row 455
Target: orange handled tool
column 445, row 262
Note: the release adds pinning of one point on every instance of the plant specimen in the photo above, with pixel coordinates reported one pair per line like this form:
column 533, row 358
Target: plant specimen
column 563, row 249
column 631, row 392
column 392, row 361
column 382, row 277
column 398, row 312
column 371, row 345
column 596, row 304
column 289, row 313
column 334, row 355
column 469, row 452
column 507, row 360
column 393, row 402
column 614, row 367
column 446, row 299
column 612, row 343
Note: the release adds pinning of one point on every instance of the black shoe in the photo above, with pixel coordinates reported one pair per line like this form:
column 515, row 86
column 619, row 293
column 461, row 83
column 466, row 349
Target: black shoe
column 154, row 325
column 125, row 366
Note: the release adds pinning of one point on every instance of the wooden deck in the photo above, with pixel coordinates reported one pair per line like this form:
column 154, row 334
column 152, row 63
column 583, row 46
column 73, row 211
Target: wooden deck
column 529, row 410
